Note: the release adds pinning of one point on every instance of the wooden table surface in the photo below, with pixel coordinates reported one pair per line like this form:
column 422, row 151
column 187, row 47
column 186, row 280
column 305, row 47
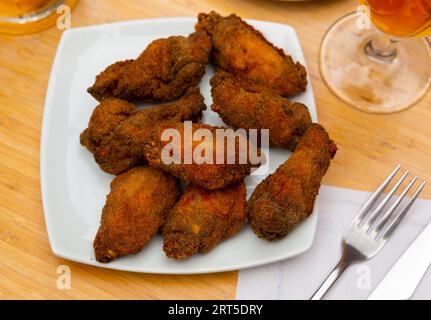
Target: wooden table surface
column 370, row 146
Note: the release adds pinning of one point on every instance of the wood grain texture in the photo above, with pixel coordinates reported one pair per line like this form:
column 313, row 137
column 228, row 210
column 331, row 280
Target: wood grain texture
column 370, row 145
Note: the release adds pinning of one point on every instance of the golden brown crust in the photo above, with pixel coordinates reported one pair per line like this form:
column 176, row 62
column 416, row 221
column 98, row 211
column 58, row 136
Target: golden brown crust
column 287, row 121
column 202, row 218
column 117, row 130
column 208, row 175
column 256, row 63
column 105, row 118
column 285, row 198
column 136, row 207
column 163, row 72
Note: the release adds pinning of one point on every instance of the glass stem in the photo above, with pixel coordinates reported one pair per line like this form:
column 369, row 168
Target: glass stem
column 382, row 48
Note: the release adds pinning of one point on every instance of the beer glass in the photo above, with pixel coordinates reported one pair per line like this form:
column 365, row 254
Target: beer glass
column 26, row 16
column 377, row 59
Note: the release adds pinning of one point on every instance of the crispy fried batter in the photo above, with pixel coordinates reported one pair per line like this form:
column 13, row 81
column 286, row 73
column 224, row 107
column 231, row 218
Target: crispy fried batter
column 210, row 175
column 202, row 218
column 117, row 130
column 287, row 121
column 286, row 198
column 136, row 207
column 105, row 118
column 242, row 50
column 163, row 72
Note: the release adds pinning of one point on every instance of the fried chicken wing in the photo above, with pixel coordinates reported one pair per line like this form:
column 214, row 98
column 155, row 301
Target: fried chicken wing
column 205, row 171
column 286, row 197
column 136, row 207
column 242, row 50
column 163, row 72
column 287, row 121
column 202, row 218
column 117, row 130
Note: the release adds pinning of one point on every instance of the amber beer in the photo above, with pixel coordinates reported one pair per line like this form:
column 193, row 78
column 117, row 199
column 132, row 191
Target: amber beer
column 401, row 18
column 26, row 16
column 17, row 8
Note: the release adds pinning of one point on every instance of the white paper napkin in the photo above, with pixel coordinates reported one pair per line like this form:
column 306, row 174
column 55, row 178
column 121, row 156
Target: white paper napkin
column 299, row 277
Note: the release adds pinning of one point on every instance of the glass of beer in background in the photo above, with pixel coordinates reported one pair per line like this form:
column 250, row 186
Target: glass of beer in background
column 26, row 16
column 378, row 59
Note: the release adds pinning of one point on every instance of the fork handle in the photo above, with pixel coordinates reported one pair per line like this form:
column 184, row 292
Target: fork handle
column 330, row 280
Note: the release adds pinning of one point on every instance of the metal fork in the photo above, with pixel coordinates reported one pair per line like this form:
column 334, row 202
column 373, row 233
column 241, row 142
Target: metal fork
column 369, row 230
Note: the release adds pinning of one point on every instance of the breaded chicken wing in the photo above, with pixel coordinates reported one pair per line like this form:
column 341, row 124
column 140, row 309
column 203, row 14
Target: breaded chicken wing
column 202, row 218
column 163, row 72
column 117, row 130
column 242, row 50
column 287, row 121
column 210, row 174
column 136, row 207
column 286, row 197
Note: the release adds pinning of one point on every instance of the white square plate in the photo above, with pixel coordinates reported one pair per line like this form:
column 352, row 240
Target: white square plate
column 73, row 186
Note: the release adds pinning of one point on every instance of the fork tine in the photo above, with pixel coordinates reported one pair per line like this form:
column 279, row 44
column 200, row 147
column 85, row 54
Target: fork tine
column 374, row 215
column 387, row 215
column 362, row 212
column 391, row 226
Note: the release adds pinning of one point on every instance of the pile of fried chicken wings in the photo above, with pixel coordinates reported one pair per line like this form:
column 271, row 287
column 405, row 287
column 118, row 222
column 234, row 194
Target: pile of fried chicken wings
column 251, row 89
